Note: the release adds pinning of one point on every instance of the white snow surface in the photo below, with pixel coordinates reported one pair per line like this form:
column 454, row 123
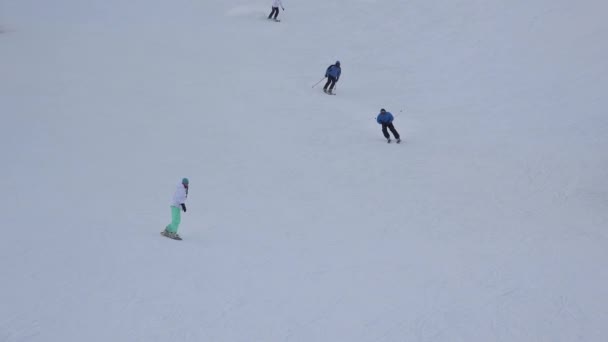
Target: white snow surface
column 488, row 223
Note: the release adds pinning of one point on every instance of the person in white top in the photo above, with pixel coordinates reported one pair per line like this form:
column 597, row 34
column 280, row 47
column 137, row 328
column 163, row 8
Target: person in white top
column 177, row 205
column 275, row 9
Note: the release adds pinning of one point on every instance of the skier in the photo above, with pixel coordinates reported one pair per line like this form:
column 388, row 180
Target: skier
column 275, row 9
column 333, row 75
column 386, row 120
column 178, row 204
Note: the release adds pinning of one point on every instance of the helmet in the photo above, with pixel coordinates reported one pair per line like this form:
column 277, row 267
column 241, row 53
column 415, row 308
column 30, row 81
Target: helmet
column 338, row 63
column 185, row 181
column 382, row 110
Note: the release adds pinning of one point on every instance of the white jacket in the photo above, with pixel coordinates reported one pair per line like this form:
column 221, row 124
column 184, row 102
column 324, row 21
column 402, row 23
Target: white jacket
column 277, row 3
column 179, row 196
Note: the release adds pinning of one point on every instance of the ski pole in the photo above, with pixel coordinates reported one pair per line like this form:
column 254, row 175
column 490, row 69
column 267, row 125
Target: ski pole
column 321, row 80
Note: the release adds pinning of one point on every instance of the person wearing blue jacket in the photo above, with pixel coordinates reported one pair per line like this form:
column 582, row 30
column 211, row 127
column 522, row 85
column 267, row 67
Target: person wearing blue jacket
column 333, row 75
column 386, row 120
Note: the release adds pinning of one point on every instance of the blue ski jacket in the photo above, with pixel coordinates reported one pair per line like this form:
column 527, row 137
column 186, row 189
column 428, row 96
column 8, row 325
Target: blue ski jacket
column 333, row 71
column 384, row 118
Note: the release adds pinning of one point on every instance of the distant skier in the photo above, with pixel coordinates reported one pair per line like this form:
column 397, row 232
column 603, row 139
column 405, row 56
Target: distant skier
column 275, row 9
column 178, row 204
column 386, row 120
column 333, row 75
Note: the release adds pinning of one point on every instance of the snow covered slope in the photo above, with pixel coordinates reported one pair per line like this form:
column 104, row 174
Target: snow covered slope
column 487, row 224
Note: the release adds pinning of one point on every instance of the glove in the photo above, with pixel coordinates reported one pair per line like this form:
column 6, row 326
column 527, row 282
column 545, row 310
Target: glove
column 184, row 207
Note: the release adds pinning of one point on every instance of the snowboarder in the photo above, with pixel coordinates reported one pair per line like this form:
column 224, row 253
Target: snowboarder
column 178, row 204
column 333, row 75
column 275, row 9
column 386, row 120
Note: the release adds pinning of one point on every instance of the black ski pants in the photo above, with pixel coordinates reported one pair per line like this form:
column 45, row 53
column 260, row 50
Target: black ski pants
column 392, row 128
column 331, row 82
column 275, row 12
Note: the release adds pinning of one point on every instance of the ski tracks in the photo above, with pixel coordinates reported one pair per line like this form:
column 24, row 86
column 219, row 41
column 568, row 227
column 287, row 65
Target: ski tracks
column 19, row 328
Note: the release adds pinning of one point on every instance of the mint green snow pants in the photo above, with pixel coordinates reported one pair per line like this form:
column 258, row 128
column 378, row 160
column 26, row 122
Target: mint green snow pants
column 176, row 218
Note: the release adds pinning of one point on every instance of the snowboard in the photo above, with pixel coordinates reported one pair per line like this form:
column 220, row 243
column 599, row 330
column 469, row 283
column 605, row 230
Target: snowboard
column 167, row 236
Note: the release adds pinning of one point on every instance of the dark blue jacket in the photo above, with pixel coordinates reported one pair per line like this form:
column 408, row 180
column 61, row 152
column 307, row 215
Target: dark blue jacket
column 333, row 71
column 384, row 118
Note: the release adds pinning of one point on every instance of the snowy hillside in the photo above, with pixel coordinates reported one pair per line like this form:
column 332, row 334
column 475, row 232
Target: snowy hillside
column 488, row 223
